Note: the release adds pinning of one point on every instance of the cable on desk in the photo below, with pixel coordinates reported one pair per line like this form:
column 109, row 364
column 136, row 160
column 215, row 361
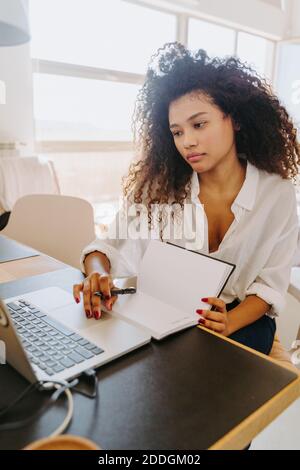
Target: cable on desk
column 61, row 387
column 64, row 425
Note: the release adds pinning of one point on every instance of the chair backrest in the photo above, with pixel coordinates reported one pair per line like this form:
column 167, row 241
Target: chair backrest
column 20, row 176
column 60, row 226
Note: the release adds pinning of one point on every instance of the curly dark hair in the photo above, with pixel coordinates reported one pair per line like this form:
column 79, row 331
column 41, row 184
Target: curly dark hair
column 266, row 133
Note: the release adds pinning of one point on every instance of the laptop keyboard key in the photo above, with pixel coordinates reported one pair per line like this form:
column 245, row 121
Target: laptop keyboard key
column 21, row 330
column 83, row 352
column 51, row 363
column 97, row 350
column 66, row 341
column 20, row 320
column 66, row 362
column 52, row 333
column 75, row 337
column 89, row 346
column 14, row 306
column 58, row 326
column 41, row 331
column 38, row 353
column 58, row 368
column 66, row 352
column 35, row 361
column 58, row 357
column 39, row 314
column 76, row 357
column 52, row 352
column 27, row 334
column 44, row 358
column 21, row 311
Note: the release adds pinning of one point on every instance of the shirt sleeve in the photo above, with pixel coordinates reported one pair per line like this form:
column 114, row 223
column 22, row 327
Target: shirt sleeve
column 124, row 253
column 272, row 283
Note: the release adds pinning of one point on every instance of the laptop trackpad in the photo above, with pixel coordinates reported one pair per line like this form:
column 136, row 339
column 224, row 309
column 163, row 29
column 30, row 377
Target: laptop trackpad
column 109, row 332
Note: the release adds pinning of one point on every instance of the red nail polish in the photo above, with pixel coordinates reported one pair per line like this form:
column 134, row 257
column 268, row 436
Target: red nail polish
column 77, row 300
column 97, row 315
column 88, row 313
column 201, row 321
column 205, row 299
column 199, row 311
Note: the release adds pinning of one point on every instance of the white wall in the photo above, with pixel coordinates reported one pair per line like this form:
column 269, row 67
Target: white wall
column 16, row 116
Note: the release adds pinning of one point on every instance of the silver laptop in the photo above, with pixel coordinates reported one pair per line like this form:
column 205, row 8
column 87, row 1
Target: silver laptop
column 48, row 337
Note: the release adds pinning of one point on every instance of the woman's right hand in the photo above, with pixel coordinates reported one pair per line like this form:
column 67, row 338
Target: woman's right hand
column 95, row 282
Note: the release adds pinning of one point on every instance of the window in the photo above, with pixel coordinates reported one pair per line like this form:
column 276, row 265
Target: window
column 216, row 40
column 110, row 34
column 288, row 79
column 115, row 38
column 221, row 41
column 288, row 87
column 257, row 52
column 89, row 59
column 72, row 108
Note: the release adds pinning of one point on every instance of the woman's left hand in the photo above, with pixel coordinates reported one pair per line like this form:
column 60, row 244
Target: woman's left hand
column 217, row 319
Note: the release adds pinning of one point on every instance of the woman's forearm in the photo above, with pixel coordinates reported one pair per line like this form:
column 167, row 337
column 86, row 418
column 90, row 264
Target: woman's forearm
column 247, row 312
column 98, row 262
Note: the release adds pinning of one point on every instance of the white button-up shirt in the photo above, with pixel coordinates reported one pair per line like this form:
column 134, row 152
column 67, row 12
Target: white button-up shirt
column 261, row 241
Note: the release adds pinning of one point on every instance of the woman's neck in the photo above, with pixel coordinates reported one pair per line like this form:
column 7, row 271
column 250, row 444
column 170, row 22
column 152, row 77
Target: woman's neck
column 225, row 179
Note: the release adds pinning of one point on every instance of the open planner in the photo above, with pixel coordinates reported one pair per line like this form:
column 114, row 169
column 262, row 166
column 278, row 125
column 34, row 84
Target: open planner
column 170, row 284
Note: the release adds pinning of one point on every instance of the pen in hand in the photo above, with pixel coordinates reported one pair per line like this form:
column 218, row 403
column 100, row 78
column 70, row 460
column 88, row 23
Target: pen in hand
column 116, row 291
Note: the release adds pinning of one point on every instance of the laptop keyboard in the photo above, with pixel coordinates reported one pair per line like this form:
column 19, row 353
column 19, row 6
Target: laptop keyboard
column 50, row 346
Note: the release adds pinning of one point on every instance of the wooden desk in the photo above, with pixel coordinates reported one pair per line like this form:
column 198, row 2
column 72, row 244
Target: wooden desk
column 193, row 390
column 27, row 262
column 12, row 270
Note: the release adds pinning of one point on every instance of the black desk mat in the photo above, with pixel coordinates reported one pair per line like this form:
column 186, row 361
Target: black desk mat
column 11, row 250
column 184, row 392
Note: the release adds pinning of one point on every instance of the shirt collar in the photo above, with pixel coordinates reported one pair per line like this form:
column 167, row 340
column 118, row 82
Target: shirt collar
column 247, row 194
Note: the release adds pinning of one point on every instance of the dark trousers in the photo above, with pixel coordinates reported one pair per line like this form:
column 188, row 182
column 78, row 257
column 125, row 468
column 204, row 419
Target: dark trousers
column 258, row 335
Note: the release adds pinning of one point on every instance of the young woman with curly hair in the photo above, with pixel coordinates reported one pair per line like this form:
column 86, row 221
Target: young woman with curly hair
column 210, row 131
